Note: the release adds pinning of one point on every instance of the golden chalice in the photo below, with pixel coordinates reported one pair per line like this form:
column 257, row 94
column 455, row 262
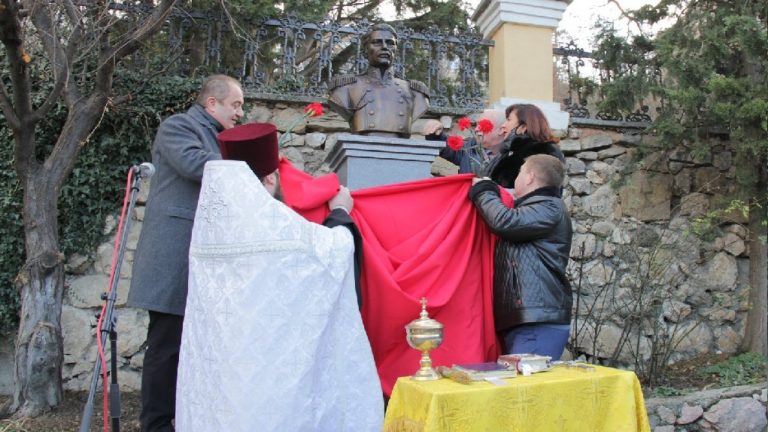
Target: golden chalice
column 424, row 334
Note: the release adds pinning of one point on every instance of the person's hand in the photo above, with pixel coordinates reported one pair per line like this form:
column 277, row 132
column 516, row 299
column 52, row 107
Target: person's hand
column 342, row 199
column 432, row 127
column 476, row 180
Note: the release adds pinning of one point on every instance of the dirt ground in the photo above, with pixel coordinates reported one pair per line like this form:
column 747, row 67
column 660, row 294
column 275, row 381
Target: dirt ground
column 684, row 375
column 66, row 417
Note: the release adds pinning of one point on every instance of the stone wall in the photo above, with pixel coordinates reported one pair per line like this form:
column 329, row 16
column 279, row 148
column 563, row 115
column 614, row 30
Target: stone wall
column 735, row 409
column 622, row 211
column 642, row 274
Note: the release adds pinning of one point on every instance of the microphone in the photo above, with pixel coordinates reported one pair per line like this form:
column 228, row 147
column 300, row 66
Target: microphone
column 145, row 170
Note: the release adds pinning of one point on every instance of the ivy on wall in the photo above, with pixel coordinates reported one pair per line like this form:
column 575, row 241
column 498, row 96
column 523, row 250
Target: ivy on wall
column 11, row 231
column 96, row 186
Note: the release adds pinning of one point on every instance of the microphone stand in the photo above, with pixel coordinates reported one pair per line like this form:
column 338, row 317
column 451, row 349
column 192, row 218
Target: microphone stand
column 109, row 325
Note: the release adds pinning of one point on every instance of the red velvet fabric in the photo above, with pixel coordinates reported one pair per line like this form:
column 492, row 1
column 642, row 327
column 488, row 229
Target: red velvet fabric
column 421, row 239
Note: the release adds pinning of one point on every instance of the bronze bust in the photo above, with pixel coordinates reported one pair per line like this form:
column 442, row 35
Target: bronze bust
column 376, row 103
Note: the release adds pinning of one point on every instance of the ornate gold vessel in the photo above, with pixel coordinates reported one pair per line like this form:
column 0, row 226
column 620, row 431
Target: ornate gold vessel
column 424, row 334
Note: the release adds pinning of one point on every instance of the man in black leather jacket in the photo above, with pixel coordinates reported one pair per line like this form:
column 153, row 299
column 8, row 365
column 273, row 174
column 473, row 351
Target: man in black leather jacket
column 532, row 296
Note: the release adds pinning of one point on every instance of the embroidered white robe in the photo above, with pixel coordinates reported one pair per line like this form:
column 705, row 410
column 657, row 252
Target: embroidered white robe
column 273, row 339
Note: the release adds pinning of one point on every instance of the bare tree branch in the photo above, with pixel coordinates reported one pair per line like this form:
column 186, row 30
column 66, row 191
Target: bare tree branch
column 143, row 32
column 111, row 55
column 236, row 28
column 631, row 18
column 7, row 107
column 59, row 58
column 62, row 73
column 93, row 110
column 364, row 10
column 72, row 12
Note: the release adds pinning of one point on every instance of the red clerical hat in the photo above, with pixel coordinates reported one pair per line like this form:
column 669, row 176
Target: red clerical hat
column 253, row 143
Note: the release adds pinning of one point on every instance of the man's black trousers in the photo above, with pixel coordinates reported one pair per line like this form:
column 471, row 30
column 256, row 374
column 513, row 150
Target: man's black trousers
column 158, row 378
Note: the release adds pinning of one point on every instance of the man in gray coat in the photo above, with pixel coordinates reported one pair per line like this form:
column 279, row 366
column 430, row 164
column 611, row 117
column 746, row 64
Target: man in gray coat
column 183, row 144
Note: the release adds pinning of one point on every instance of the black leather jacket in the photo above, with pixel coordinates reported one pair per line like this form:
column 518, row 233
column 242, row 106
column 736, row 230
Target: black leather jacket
column 529, row 282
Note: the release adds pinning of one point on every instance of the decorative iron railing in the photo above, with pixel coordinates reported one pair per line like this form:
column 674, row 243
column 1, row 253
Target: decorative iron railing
column 295, row 58
column 584, row 76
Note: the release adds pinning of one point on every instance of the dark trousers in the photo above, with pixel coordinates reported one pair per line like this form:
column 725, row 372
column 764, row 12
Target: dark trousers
column 158, row 378
column 542, row 339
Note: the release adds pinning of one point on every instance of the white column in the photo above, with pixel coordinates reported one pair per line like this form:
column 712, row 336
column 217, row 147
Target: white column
column 521, row 65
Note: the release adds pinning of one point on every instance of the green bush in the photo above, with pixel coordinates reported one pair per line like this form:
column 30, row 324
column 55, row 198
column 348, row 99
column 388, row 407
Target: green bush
column 96, row 186
column 665, row 391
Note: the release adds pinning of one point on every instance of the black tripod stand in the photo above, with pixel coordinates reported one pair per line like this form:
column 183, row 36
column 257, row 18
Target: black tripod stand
column 108, row 319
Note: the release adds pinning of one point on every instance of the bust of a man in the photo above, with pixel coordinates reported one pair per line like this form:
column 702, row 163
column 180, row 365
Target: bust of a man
column 375, row 102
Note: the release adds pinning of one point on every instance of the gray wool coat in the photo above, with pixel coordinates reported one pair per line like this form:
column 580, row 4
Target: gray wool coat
column 183, row 144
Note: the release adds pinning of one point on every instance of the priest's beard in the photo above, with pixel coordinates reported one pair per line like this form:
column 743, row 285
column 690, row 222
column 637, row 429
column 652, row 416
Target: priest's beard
column 278, row 192
column 278, row 195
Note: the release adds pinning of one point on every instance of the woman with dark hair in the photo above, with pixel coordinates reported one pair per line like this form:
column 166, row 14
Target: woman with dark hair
column 527, row 133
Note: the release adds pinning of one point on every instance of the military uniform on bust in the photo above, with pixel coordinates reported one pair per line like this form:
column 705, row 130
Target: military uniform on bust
column 377, row 103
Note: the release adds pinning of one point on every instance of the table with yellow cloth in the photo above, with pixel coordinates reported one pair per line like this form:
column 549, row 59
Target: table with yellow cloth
column 561, row 399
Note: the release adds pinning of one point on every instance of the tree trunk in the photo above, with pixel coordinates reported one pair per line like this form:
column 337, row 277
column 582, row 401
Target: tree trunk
column 39, row 344
column 756, row 328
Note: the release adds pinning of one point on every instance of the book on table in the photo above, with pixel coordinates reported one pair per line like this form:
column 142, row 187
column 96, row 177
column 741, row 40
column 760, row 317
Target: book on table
column 482, row 371
column 525, row 363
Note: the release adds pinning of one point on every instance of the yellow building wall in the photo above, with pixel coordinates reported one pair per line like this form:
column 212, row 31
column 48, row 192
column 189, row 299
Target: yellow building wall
column 520, row 64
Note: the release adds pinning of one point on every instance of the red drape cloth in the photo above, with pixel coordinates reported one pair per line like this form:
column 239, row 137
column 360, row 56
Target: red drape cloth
column 421, row 239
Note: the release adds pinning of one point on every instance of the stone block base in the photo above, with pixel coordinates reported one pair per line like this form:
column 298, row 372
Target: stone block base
column 366, row 161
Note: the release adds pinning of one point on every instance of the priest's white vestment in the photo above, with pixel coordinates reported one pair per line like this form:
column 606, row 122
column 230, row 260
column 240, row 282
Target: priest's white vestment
column 273, row 339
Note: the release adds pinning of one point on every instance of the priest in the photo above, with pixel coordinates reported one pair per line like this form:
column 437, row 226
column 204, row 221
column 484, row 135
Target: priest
column 273, row 339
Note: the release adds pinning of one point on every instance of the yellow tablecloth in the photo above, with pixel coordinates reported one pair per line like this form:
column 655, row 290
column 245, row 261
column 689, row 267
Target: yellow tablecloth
column 562, row 399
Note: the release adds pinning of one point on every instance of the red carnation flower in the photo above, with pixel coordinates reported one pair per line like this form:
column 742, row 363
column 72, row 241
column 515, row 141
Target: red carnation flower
column 464, row 123
column 455, row 142
column 315, row 109
column 484, row 126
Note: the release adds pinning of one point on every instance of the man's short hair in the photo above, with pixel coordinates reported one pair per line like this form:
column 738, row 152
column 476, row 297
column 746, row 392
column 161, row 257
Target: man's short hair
column 379, row 27
column 549, row 170
column 217, row 86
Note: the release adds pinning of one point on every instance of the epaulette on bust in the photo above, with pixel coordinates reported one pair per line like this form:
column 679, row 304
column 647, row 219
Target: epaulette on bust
column 419, row 87
column 341, row 80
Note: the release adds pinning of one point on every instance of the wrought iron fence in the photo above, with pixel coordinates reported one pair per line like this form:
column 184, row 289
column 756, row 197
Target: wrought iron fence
column 584, row 75
column 295, row 58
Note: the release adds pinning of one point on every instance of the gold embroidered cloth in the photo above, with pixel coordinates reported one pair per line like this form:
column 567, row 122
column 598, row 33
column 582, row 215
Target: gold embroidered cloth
column 562, row 399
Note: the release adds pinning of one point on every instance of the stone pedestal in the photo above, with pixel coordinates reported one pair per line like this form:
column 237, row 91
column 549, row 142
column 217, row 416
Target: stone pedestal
column 363, row 161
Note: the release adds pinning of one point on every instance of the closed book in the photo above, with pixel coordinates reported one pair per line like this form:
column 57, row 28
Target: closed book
column 481, row 371
column 530, row 363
